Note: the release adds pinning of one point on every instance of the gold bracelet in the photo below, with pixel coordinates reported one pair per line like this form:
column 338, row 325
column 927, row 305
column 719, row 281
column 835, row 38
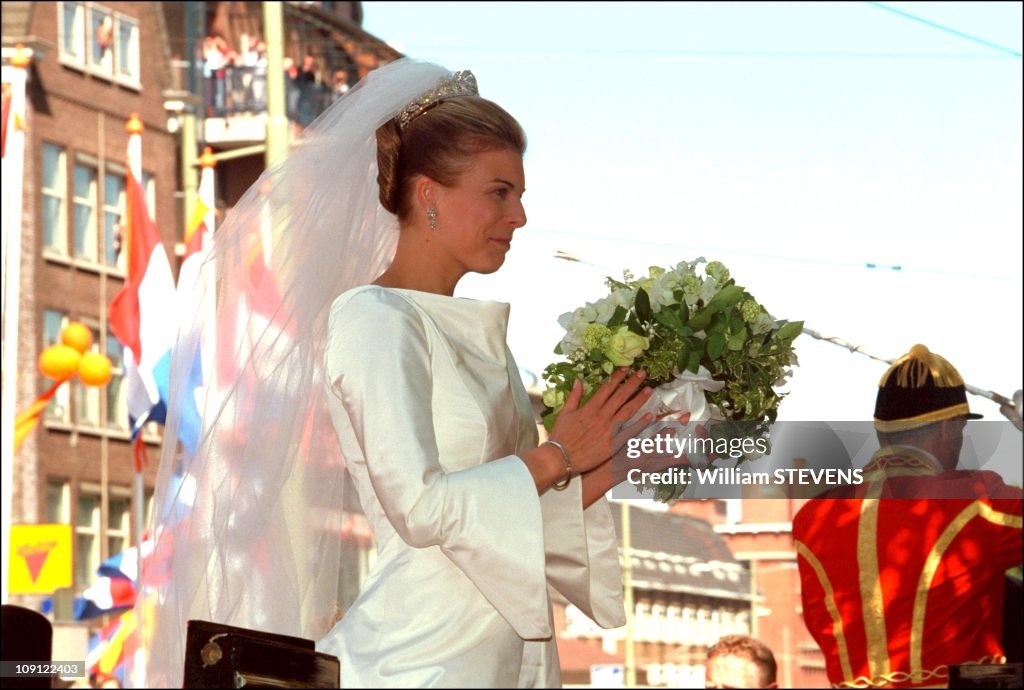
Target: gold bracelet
column 562, row 483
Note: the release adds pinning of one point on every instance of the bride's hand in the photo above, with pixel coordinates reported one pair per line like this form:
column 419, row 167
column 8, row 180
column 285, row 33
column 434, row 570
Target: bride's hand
column 650, row 459
column 589, row 431
column 615, row 470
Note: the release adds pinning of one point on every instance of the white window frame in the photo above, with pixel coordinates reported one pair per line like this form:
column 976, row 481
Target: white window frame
column 94, row 528
column 59, row 192
column 77, row 57
column 657, row 625
column 116, row 211
column 63, row 487
column 642, row 621
column 104, row 64
column 130, row 76
column 90, row 201
column 688, row 626
column 110, row 64
column 122, row 531
column 99, row 210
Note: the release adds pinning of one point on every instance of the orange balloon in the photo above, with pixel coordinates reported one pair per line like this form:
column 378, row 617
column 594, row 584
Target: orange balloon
column 59, row 362
column 94, row 369
column 77, row 335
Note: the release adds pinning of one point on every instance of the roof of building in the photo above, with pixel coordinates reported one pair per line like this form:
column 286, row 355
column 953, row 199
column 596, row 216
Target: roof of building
column 680, row 553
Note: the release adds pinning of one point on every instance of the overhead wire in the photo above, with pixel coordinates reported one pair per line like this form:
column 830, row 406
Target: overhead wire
column 947, row 29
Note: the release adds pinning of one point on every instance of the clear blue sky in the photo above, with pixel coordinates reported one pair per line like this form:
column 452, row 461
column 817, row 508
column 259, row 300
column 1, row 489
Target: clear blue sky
column 796, row 142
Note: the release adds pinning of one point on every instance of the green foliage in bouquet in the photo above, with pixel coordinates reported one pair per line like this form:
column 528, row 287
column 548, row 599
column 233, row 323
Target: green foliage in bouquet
column 677, row 320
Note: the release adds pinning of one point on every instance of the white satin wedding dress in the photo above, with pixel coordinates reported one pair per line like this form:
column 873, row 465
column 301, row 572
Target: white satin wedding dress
column 430, row 411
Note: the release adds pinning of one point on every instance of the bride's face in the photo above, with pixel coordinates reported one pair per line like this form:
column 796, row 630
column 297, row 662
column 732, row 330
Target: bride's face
column 477, row 217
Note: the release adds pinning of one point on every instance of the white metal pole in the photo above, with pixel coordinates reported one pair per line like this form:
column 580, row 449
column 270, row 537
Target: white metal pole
column 13, row 169
column 134, row 128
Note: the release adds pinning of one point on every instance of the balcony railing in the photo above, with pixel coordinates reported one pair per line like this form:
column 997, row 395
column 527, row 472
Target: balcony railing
column 236, row 90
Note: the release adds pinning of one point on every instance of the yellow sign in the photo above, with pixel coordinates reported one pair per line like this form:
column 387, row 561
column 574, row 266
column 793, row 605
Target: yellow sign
column 40, row 559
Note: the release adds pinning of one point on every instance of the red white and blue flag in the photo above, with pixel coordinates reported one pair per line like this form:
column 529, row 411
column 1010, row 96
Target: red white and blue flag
column 139, row 313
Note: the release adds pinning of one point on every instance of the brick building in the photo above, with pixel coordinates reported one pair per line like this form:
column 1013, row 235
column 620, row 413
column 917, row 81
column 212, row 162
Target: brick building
column 688, row 591
column 758, row 532
column 93, row 65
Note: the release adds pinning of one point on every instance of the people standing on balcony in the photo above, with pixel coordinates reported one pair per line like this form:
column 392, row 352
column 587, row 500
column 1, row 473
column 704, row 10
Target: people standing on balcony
column 291, row 89
column 308, row 104
column 339, row 85
column 217, row 55
column 247, row 55
column 259, row 82
column 247, row 82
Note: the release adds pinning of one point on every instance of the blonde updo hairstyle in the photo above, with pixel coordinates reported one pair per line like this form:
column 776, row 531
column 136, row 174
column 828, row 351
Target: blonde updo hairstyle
column 440, row 143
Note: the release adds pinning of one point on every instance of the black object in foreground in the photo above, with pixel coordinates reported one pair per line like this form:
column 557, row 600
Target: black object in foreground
column 223, row 656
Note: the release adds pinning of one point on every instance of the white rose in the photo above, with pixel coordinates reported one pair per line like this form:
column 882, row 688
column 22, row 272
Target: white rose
column 709, row 289
column 662, row 289
column 604, row 308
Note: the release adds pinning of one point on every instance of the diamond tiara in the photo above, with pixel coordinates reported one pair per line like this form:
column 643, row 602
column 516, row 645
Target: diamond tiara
column 459, row 84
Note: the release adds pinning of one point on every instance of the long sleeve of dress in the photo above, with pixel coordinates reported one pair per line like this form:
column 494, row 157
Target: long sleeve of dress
column 485, row 516
column 583, row 554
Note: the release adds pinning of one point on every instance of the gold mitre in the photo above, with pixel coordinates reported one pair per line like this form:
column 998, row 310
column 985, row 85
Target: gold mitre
column 920, row 388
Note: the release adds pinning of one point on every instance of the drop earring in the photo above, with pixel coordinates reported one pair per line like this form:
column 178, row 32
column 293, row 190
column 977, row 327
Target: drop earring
column 432, row 218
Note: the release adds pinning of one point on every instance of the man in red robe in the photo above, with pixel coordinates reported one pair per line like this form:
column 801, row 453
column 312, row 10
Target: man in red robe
column 902, row 576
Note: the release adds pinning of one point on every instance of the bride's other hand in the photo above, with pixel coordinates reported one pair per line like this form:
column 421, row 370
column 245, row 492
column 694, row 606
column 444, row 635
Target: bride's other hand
column 589, row 431
column 598, row 481
column 651, row 459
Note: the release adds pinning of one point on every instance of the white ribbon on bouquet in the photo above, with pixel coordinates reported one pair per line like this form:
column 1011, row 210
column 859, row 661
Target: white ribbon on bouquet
column 684, row 393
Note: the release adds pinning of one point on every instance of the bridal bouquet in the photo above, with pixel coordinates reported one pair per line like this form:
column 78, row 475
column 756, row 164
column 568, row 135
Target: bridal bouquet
column 708, row 347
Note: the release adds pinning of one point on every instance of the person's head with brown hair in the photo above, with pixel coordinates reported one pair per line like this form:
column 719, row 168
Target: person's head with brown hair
column 440, row 144
column 740, row 661
column 450, row 167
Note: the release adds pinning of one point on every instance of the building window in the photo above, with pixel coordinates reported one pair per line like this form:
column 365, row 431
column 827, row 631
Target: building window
column 688, row 627
column 715, row 626
column 702, row 631
column 87, row 398
column 658, row 629
column 99, row 40
column 87, row 535
column 643, row 621
column 101, row 30
column 72, row 32
column 59, row 407
column 54, row 187
column 127, row 49
column 84, row 215
column 97, row 216
column 113, row 207
column 58, row 505
column 119, row 521
column 673, row 624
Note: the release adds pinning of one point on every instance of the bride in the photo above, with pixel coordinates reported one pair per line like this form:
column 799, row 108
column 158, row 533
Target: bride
column 358, row 364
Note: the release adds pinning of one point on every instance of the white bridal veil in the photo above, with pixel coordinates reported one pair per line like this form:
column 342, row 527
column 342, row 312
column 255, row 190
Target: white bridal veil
column 249, row 527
